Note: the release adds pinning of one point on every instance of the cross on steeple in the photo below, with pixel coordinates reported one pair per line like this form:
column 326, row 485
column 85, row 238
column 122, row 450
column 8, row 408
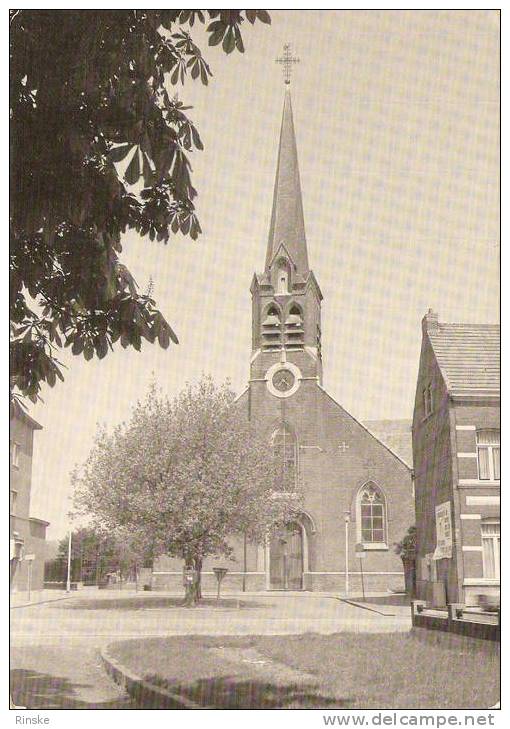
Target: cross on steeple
column 286, row 61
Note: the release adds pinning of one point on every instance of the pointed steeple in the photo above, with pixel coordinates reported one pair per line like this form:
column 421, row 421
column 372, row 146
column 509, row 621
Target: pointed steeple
column 287, row 220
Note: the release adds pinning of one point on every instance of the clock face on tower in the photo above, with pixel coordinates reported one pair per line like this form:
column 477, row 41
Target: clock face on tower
column 283, row 379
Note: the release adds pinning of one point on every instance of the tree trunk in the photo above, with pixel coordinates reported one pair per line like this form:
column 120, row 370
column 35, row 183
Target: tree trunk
column 193, row 592
column 409, row 575
column 199, row 578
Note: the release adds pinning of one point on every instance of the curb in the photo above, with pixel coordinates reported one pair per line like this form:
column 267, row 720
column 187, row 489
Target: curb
column 40, row 602
column 147, row 695
column 367, row 607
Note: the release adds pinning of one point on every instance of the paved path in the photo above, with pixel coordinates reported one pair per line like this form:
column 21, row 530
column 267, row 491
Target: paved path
column 54, row 654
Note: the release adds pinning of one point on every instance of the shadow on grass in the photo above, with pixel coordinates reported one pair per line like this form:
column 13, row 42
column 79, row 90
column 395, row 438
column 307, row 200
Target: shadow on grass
column 144, row 603
column 36, row 690
column 231, row 693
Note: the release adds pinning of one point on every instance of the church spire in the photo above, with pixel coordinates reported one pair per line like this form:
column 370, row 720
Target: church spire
column 287, row 221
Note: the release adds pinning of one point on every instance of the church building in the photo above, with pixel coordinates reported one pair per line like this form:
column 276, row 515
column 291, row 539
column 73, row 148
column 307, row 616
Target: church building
column 357, row 491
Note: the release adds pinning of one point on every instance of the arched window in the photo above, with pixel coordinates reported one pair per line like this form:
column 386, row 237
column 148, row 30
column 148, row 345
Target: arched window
column 272, row 317
column 371, row 511
column 271, row 328
column 284, row 444
column 282, row 282
column 294, row 331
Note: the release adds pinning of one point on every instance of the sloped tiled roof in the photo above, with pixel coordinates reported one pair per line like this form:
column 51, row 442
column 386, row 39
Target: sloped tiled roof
column 468, row 356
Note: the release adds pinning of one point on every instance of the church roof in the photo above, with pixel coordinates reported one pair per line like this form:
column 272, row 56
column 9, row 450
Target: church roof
column 287, row 220
column 396, row 434
column 468, row 356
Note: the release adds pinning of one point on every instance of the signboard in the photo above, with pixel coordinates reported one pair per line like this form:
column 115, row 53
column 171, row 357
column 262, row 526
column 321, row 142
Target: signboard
column 29, row 557
column 444, row 539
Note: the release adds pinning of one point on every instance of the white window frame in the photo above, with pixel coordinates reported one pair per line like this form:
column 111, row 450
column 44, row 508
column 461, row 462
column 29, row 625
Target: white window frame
column 359, row 531
column 496, row 545
column 15, row 451
column 489, row 447
column 13, row 497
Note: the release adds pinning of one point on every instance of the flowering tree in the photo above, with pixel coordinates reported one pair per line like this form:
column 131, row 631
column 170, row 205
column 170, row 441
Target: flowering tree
column 185, row 476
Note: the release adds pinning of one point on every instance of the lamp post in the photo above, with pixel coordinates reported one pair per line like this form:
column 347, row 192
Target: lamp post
column 245, row 549
column 347, row 518
column 69, row 546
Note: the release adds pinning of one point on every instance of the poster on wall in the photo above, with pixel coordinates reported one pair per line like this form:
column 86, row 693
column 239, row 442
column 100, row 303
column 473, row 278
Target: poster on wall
column 444, row 540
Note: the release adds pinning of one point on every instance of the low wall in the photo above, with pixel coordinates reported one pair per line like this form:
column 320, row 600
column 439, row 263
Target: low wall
column 445, row 628
column 233, row 582
column 257, row 582
column 317, row 582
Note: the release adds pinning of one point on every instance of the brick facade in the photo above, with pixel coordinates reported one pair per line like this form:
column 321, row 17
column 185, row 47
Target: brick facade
column 27, row 534
column 461, row 364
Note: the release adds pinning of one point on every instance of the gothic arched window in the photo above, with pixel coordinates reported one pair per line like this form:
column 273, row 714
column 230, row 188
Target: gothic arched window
column 284, row 444
column 294, row 331
column 271, row 328
column 371, row 512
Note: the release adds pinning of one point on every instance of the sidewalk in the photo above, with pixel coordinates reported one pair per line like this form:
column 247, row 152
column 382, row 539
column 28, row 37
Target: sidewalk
column 20, row 599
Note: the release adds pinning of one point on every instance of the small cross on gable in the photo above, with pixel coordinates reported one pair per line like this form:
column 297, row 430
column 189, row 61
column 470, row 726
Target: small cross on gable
column 343, row 447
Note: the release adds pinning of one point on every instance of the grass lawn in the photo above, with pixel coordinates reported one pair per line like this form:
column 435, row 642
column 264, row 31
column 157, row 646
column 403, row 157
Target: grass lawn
column 351, row 671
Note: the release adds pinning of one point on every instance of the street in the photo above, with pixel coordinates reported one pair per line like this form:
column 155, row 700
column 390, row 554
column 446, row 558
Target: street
column 55, row 645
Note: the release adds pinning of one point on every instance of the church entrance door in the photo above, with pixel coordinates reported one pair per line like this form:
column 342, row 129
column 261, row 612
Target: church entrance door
column 286, row 559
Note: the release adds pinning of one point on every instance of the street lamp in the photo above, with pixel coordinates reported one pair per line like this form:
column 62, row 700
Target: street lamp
column 69, row 548
column 347, row 518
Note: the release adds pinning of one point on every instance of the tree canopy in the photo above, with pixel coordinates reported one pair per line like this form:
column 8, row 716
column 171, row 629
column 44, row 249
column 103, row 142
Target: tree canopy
column 406, row 548
column 98, row 146
column 185, row 476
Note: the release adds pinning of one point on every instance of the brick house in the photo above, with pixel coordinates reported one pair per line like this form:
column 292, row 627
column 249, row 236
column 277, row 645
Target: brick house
column 357, row 489
column 27, row 534
column 456, row 452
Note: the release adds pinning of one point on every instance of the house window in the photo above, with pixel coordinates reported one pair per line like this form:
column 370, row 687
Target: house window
column 15, row 454
column 284, row 443
column 13, row 495
column 428, row 404
column 488, row 451
column 372, row 515
column 490, row 548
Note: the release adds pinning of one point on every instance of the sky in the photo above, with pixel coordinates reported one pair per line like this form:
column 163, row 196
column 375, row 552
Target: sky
column 397, row 126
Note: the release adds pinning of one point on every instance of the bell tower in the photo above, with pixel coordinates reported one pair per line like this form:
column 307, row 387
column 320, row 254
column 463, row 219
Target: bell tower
column 286, row 298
